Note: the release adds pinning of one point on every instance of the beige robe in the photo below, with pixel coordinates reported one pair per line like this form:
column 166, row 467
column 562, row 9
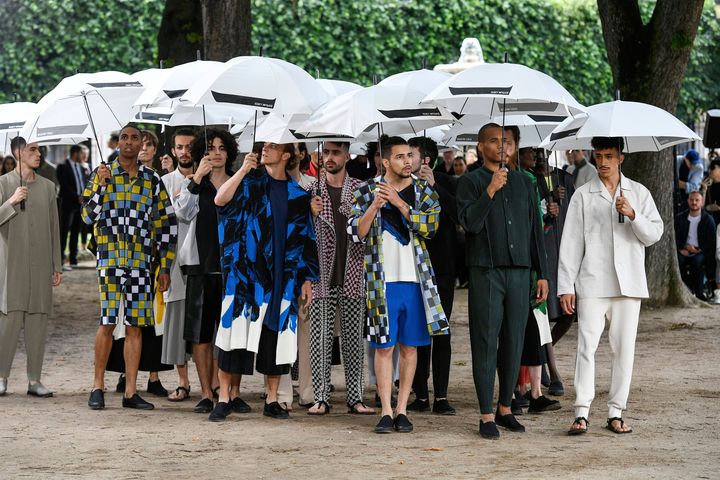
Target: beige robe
column 29, row 246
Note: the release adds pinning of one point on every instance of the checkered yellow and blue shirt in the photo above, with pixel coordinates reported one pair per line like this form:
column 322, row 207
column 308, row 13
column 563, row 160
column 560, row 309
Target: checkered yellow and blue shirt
column 129, row 216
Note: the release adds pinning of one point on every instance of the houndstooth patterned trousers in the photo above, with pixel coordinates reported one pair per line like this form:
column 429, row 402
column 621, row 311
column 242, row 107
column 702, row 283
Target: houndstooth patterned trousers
column 323, row 312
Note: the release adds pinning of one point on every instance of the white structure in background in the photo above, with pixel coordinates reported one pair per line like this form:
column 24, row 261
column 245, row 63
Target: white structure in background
column 471, row 54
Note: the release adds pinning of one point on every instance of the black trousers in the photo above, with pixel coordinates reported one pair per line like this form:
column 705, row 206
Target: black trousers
column 70, row 223
column 439, row 351
column 499, row 301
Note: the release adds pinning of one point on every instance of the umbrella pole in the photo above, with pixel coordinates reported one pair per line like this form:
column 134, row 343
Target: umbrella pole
column 379, row 149
column 92, row 126
column 19, row 163
column 252, row 147
column 205, row 128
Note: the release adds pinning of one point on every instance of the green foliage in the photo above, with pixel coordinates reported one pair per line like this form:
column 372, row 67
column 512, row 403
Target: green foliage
column 46, row 40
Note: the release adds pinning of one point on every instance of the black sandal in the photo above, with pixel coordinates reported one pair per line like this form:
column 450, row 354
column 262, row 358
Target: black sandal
column 324, row 412
column 619, row 431
column 186, row 394
column 353, row 410
column 579, row 431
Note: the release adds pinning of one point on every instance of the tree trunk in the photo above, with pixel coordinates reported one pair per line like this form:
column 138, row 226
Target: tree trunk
column 181, row 32
column 648, row 63
column 227, row 25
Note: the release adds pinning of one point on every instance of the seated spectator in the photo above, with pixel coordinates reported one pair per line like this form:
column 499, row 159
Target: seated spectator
column 695, row 238
column 694, row 164
column 710, row 186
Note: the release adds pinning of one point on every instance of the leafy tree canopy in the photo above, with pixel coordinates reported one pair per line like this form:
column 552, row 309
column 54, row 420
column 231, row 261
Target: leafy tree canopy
column 46, row 40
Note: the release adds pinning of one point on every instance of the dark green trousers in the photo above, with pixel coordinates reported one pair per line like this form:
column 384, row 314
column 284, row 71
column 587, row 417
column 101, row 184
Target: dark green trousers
column 499, row 301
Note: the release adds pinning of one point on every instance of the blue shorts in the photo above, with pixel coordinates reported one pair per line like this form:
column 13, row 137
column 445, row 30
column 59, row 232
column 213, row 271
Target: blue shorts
column 406, row 315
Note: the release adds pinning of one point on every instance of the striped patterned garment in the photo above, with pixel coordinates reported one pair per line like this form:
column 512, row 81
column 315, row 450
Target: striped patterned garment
column 424, row 221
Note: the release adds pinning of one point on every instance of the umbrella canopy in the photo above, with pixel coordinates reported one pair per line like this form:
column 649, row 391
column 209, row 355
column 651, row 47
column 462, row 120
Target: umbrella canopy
column 14, row 115
column 177, row 115
column 645, row 128
column 423, row 80
column 533, row 128
column 493, row 88
column 170, row 84
column 84, row 105
column 335, row 88
column 261, row 83
column 279, row 129
column 397, row 110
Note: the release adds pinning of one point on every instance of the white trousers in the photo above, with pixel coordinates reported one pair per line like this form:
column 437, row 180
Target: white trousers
column 623, row 314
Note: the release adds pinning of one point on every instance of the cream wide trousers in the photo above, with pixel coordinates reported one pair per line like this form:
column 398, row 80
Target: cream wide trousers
column 623, row 314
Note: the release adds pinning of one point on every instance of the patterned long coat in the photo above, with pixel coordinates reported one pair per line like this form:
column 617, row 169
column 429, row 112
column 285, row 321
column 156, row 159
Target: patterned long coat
column 424, row 221
column 354, row 283
column 245, row 232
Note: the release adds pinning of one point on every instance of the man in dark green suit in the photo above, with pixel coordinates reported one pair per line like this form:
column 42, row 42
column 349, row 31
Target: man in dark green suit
column 498, row 210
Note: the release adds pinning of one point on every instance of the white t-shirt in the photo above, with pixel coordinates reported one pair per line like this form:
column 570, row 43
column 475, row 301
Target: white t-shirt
column 399, row 260
column 692, row 238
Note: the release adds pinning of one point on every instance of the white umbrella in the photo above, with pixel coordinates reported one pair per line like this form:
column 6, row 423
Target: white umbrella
column 393, row 110
column 276, row 128
column 423, row 80
column 493, row 88
column 84, row 105
column 261, row 83
column 178, row 115
column 533, row 128
column 169, row 84
column 644, row 128
column 335, row 88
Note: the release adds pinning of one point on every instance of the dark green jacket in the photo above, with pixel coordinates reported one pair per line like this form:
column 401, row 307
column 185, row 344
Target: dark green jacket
column 505, row 230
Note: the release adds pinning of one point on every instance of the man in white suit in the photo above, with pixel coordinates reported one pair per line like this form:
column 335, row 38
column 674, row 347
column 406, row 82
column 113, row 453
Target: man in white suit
column 602, row 274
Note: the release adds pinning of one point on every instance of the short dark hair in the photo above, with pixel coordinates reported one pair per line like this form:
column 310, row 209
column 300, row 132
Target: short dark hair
column 714, row 164
column 461, row 158
column 198, row 147
column 75, row 149
column 386, row 144
column 16, row 144
column 184, row 132
column 115, row 136
column 344, row 145
column 133, row 126
column 427, row 146
column 603, row 143
column 696, row 191
column 148, row 136
column 508, row 128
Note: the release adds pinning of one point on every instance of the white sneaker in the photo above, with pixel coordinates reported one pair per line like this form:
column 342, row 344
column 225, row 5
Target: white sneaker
column 3, row 386
column 67, row 268
column 716, row 297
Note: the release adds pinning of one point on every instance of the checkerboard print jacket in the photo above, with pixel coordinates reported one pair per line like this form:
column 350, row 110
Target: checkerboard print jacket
column 130, row 217
column 424, row 221
column 354, row 283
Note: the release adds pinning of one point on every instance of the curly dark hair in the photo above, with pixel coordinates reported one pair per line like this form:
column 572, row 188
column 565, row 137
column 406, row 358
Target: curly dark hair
column 198, row 148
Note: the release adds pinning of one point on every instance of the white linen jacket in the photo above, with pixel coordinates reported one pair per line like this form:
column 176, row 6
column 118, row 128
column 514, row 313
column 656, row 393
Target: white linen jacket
column 600, row 257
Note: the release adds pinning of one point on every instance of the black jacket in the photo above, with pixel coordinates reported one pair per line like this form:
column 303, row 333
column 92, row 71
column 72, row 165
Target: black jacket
column 706, row 237
column 442, row 246
column 69, row 198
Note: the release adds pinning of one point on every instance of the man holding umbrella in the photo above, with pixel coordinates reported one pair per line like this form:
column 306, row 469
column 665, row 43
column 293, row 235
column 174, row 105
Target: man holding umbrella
column 602, row 275
column 131, row 212
column 30, row 263
column 498, row 210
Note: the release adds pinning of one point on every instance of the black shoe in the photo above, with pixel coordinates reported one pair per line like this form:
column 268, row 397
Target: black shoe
column 136, row 402
column 489, row 430
column 543, row 404
column 204, row 406
column 508, row 421
column 238, row 405
column 442, row 407
column 544, row 377
column 402, row 424
column 556, row 388
column 522, row 401
column 385, row 425
column 120, row 388
column 97, row 399
column 220, row 412
column 515, row 407
column 156, row 388
column 274, row 410
column 419, row 405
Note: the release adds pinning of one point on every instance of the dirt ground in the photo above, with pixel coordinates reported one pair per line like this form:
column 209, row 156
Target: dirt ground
column 673, row 409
